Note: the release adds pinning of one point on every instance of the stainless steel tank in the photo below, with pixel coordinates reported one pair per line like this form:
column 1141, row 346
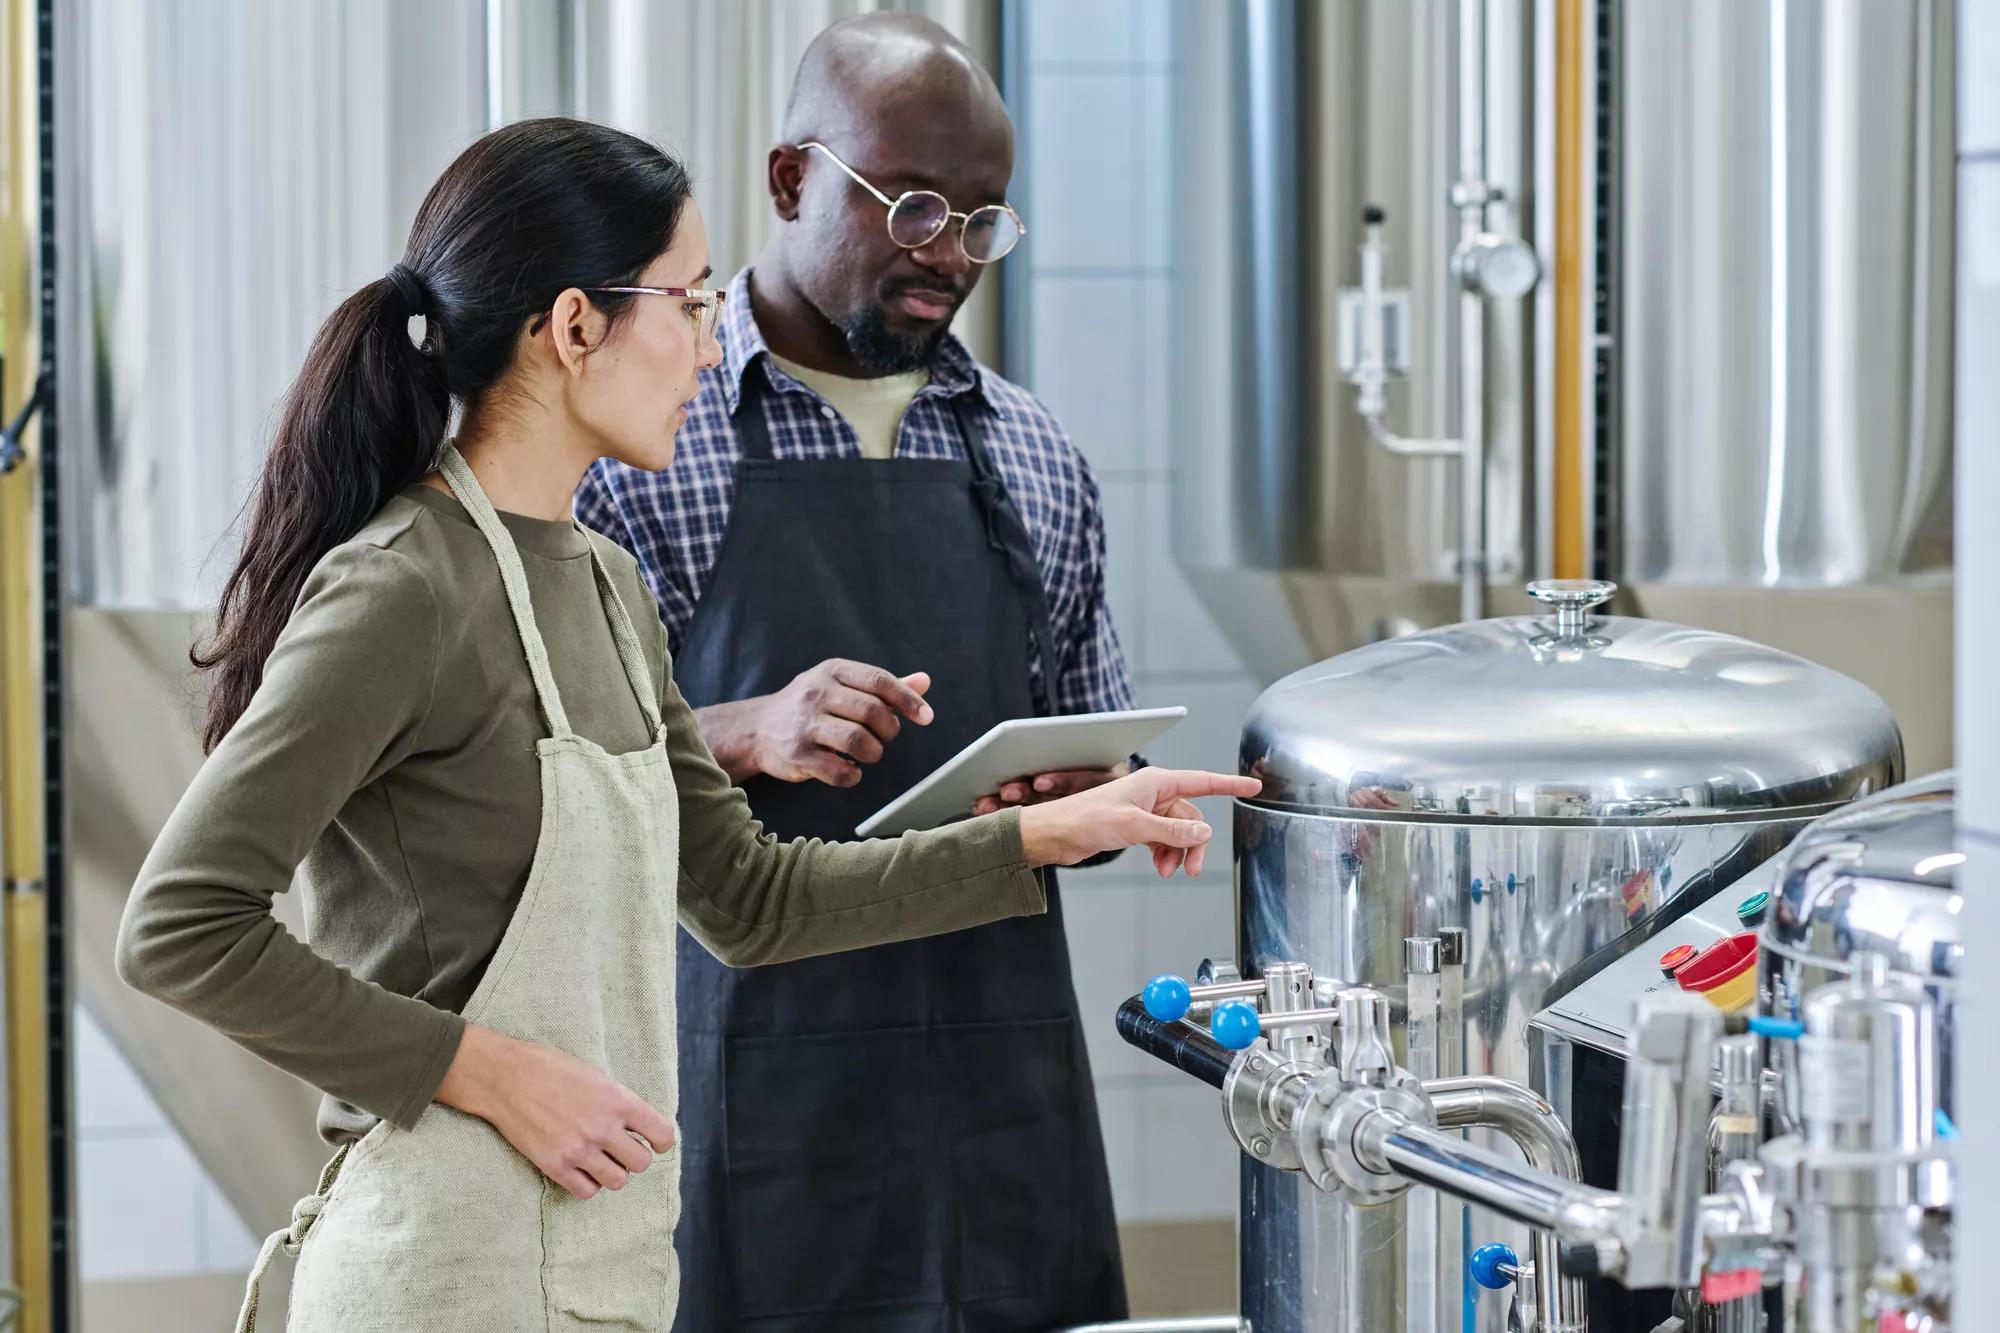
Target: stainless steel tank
column 1530, row 791
column 1877, row 878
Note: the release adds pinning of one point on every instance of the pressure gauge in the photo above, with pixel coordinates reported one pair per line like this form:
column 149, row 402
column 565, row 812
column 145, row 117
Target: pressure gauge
column 1499, row 267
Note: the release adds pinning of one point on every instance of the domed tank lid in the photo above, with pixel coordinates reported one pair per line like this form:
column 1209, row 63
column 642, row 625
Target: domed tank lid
column 1876, row 877
column 1569, row 716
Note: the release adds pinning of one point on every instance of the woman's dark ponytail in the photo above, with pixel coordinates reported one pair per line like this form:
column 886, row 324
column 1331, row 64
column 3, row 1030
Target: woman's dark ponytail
column 526, row 212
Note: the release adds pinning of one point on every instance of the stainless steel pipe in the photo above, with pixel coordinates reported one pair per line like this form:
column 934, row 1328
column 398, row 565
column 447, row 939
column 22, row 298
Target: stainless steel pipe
column 1527, row 1194
column 1533, row 1126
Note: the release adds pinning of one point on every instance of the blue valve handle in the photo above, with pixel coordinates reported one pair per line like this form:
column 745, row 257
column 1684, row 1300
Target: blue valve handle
column 1167, row 998
column 1777, row 1029
column 1488, row 1261
column 1235, row 1024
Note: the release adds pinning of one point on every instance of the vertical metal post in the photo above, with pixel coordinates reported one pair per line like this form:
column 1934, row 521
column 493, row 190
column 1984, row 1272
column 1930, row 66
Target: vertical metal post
column 1451, row 1064
column 1422, row 1291
column 1470, row 195
column 55, row 837
column 31, row 619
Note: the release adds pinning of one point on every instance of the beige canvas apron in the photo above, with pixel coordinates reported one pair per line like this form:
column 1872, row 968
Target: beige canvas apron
column 446, row 1227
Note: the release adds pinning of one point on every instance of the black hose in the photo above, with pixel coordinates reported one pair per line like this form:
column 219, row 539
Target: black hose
column 1186, row 1048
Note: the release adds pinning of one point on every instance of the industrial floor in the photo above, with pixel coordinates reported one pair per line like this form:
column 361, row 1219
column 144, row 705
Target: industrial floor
column 1172, row 1268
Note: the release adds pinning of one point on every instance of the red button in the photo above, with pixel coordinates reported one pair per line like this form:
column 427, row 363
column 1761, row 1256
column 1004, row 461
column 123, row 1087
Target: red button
column 1719, row 1287
column 1676, row 958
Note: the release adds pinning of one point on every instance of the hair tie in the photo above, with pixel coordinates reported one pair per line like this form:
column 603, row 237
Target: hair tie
column 411, row 288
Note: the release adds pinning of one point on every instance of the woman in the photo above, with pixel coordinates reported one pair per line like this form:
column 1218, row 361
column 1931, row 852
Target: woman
column 497, row 798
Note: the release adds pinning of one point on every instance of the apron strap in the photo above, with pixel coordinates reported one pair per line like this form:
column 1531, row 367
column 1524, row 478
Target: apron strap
column 752, row 419
column 304, row 1213
column 630, row 654
column 626, row 636
column 1007, row 533
column 473, row 497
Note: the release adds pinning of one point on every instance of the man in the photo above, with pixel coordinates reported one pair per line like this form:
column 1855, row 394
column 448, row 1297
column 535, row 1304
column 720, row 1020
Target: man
column 869, row 550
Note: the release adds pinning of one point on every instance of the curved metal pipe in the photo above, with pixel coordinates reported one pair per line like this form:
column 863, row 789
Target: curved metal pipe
column 1534, row 1127
column 1539, row 1198
column 1514, row 1110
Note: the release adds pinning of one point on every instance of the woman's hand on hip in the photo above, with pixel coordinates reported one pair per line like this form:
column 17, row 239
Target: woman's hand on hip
column 579, row 1126
column 1154, row 806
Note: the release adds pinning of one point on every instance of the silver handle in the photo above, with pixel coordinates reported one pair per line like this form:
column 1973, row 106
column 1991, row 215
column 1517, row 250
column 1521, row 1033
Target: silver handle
column 1573, row 600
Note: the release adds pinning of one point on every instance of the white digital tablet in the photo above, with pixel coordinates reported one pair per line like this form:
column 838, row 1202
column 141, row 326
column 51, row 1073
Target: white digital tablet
column 1013, row 749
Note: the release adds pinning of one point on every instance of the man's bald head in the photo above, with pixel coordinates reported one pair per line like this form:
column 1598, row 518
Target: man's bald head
column 905, row 105
column 876, row 66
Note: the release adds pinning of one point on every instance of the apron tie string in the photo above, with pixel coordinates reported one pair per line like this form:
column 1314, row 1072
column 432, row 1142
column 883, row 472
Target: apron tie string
column 291, row 1239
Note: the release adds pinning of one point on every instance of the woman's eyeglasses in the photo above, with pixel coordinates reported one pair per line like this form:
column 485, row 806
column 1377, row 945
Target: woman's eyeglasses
column 703, row 305
column 985, row 235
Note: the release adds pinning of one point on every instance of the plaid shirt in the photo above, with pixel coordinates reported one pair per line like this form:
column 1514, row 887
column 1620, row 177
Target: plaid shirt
column 674, row 520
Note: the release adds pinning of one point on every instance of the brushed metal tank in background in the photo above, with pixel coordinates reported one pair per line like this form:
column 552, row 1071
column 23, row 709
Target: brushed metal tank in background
column 1302, row 536
column 1785, row 275
column 1771, row 451
column 230, row 171
column 1547, row 789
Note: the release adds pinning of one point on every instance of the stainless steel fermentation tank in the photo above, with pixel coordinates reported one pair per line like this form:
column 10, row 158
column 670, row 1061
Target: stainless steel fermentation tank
column 1526, row 792
column 1729, row 389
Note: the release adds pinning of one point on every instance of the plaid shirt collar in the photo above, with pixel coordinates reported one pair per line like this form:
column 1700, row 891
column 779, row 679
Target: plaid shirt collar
column 953, row 370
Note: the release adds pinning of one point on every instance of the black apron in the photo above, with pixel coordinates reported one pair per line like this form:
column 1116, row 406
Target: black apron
column 902, row 1139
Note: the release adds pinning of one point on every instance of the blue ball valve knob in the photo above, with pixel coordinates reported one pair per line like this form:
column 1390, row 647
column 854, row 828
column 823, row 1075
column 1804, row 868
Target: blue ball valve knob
column 1777, row 1029
column 1167, row 999
column 1487, row 1261
column 1235, row 1024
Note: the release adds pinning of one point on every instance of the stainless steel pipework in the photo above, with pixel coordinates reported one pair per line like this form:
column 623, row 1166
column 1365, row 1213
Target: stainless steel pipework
column 1580, row 1213
column 1423, row 958
column 1734, row 1135
column 1534, row 1127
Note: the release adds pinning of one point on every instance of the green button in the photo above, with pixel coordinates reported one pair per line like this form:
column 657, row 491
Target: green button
column 1753, row 906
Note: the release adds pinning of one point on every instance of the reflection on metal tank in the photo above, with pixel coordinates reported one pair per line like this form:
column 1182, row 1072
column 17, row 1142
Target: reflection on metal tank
column 207, row 256
column 1878, row 878
column 1545, row 785
column 1784, row 294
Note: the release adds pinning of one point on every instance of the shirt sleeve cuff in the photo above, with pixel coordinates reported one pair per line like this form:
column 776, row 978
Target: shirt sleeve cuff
column 1025, row 889
column 444, row 1049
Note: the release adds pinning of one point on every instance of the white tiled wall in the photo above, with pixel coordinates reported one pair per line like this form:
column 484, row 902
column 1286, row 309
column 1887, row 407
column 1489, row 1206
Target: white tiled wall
column 1092, row 128
column 145, row 1206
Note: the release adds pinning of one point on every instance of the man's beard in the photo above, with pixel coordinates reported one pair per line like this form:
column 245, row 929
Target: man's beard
column 881, row 351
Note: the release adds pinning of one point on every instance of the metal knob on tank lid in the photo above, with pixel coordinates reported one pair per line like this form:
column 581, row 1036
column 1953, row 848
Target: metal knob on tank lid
column 1573, row 600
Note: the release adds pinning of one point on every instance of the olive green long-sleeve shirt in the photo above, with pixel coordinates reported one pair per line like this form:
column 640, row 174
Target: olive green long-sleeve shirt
column 387, row 766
